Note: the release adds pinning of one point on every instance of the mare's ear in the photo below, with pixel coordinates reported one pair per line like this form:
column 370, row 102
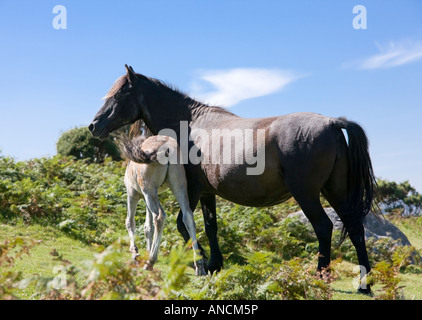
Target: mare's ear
column 131, row 74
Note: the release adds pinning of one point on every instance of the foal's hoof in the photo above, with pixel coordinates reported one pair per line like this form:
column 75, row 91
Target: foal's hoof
column 200, row 271
column 148, row 266
column 135, row 257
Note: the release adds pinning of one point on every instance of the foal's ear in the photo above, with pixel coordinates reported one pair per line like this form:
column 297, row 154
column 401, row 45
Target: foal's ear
column 130, row 74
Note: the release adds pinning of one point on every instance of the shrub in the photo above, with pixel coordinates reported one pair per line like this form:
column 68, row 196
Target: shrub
column 388, row 275
column 85, row 200
column 399, row 198
column 80, row 143
column 261, row 277
column 266, row 256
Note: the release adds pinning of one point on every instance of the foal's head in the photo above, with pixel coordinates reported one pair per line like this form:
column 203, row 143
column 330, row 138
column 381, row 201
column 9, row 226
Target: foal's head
column 123, row 105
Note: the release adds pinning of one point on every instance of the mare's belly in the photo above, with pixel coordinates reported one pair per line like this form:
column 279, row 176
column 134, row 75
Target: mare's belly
column 232, row 183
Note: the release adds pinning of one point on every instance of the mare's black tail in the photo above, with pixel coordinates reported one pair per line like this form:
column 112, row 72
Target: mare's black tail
column 362, row 184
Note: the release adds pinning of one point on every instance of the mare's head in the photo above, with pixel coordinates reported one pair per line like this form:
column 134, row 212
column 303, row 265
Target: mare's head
column 123, row 104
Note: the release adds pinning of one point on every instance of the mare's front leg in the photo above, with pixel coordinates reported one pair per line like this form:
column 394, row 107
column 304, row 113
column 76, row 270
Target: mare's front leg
column 208, row 204
column 133, row 198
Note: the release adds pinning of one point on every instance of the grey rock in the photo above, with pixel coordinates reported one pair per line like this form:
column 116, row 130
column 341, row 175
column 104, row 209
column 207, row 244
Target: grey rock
column 374, row 226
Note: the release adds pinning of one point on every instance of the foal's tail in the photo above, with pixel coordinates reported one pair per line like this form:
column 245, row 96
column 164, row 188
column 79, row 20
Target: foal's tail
column 132, row 149
column 362, row 184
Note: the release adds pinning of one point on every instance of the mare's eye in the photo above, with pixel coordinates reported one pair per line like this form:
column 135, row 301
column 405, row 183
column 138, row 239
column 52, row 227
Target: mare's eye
column 118, row 95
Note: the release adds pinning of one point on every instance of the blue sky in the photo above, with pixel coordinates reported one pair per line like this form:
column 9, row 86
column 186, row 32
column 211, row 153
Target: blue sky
column 258, row 58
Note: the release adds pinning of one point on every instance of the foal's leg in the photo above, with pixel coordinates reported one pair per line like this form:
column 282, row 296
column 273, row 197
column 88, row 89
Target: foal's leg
column 194, row 191
column 158, row 217
column 177, row 182
column 133, row 198
column 149, row 229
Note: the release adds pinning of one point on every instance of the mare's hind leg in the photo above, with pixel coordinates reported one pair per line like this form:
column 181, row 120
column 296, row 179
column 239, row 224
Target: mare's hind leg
column 133, row 198
column 335, row 191
column 321, row 224
column 354, row 228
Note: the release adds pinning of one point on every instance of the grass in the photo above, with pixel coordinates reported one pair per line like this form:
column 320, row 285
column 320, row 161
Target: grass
column 411, row 227
column 343, row 285
column 344, row 289
column 40, row 261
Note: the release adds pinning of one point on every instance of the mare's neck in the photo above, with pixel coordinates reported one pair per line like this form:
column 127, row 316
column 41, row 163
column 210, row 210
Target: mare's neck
column 166, row 108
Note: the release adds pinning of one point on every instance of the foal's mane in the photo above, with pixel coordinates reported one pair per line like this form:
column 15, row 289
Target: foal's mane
column 139, row 128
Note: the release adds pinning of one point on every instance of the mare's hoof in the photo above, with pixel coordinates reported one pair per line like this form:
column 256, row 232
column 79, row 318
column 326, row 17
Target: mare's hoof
column 366, row 291
column 214, row 266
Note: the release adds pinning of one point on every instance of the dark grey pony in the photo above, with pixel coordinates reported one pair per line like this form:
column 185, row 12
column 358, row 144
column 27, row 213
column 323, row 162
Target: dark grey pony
column 304, row 154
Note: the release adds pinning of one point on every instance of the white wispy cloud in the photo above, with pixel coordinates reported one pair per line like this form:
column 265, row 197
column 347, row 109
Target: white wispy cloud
column 392, row 55
column 231, row 86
